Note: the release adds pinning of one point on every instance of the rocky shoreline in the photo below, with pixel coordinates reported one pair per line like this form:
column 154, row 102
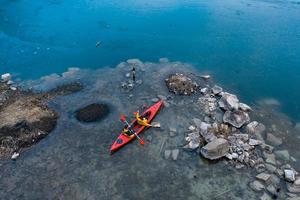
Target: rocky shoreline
column 200, row 118
column 226, row 131
column 25, row 116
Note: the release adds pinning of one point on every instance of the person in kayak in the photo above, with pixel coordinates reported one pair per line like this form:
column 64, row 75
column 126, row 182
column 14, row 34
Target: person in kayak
column 142, row 121
column 127, row 131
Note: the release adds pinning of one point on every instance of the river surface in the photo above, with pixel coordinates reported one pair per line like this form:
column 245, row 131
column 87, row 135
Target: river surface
column 251, row 48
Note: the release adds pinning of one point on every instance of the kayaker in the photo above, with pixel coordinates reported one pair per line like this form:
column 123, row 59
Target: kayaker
column 142, row 121
column 127, row 131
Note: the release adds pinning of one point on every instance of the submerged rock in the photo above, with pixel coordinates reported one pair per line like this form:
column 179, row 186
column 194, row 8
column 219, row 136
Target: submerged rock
column 255, row 128
column 181, row 84
column 236, row 118
column 257, row 186
column 273, row 140
column 215, row 149
column 92, row 112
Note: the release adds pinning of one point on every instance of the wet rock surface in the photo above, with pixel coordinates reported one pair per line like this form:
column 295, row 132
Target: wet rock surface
column 91, row 113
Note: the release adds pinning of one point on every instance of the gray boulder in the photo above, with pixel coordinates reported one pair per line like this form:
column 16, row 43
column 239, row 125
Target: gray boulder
column 215, row 149
column 216, row 90
column 229, row 102
column 236, row 118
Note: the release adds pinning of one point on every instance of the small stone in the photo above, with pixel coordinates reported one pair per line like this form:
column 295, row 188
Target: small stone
column 273, row 140
column 255, row 128
column 154, row 100
column 271, row 189
column 257, row 186
column 192, row 128
column 264, row 177
column 297, row 181
column 204, row 90
column 289, row 175
column 155, row 124
column 293, row 188
column 13, row 88
column 244, row 107
column 10, row 82
column 265, row 196
column 175, row 153
column 6, row 77
column 205, row 77
column 253, row 142
column 270, row 158
column 217, row 90
column 167, row 154
column 127, row 75
column 15, row 156
column 162, row 97
column 271, row 168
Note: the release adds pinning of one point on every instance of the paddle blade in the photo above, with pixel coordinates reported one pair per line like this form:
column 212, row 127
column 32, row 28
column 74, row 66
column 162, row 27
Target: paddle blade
column 123, row 118
column 141, row 142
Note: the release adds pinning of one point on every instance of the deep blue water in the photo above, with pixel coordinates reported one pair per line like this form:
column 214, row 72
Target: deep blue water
column 251, row 47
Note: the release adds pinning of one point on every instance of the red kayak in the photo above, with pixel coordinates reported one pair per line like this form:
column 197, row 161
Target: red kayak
column 149, row 114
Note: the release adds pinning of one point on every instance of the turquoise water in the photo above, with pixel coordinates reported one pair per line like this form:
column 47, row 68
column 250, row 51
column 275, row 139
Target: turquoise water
column 251, row 47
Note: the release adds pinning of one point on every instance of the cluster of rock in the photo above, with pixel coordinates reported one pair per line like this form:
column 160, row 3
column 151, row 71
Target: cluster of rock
column 181, row 84
column 25, row 117
column 227, row 132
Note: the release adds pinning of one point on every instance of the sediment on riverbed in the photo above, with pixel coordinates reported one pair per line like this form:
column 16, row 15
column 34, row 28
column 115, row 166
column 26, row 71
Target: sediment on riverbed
column 25, row 116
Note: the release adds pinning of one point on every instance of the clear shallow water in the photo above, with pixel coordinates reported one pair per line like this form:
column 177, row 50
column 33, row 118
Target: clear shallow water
column 251, row 47
column 73, row 162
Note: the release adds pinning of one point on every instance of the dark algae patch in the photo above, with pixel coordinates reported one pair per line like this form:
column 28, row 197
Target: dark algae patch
column 92, row 112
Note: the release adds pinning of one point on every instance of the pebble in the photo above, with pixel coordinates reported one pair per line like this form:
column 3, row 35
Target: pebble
column 15, row 156
column 13, row 88
column 149, row 138
column 175, row 153
column 282, row 155
column 289, row 175
column 192, row 128
column 127, row 75
column 205, row 77
column 265, row 196
column 271, row 168
column 270, row 158
column 253, row 142
column 273, row 140
column 154, row 100
column 6, row 77
column 167, row 154
column 266, row 178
